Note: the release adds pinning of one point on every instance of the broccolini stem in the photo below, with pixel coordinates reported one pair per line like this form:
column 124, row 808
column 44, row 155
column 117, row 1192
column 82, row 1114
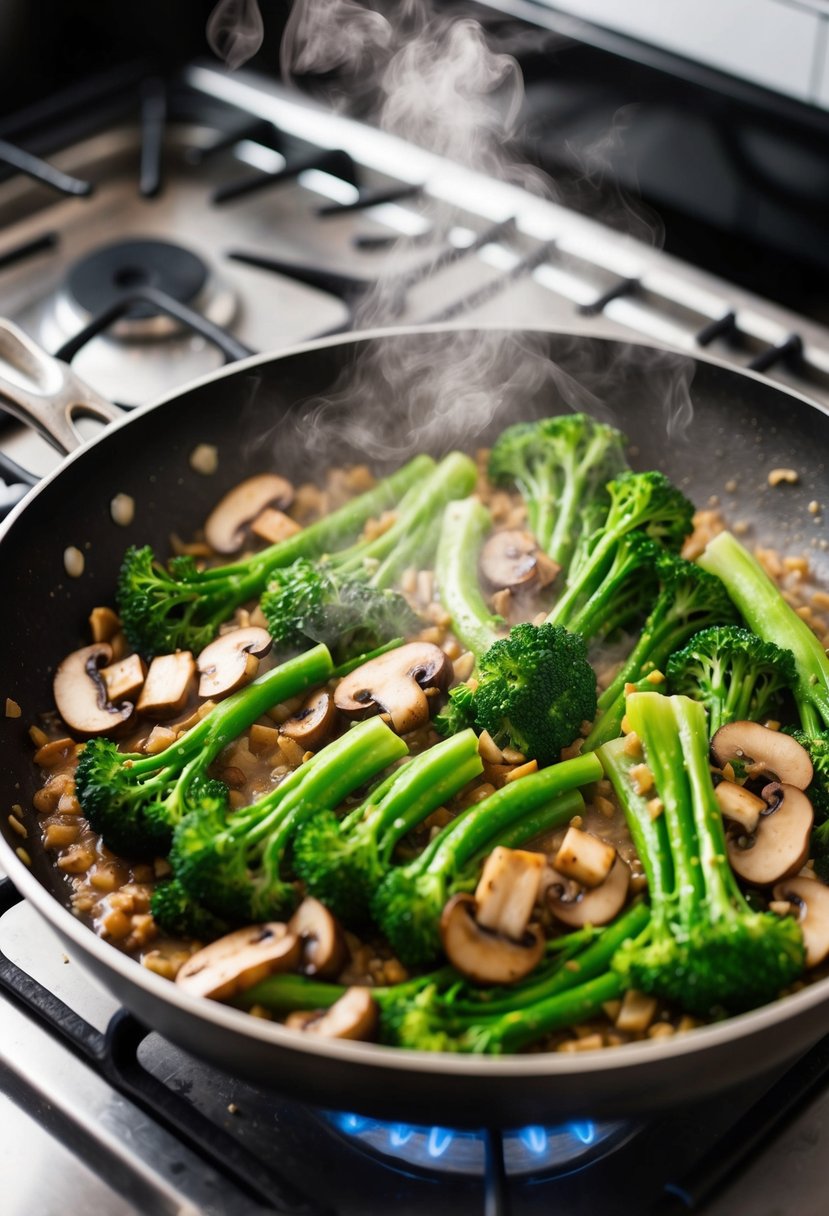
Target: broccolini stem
column 553, row 814
column 523, row 1026
column 647, row 832
column 566, row 525
column 769, row 616
column 465, row 524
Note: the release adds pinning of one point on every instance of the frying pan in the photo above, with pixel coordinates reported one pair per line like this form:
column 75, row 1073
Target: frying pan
column 255, row 413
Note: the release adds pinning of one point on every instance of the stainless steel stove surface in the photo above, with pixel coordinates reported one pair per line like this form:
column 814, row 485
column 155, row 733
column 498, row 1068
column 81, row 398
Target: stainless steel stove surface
column 217, row 226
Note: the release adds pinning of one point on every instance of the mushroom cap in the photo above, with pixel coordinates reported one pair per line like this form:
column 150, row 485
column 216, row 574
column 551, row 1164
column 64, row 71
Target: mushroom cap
column 80, row 693
column 812, row 899
column 354, row 1016
column 780, row 844
column 577, row 907
column 231, row 660
column 394, row 682
column 509, row 559
column 313, row 722
column 739, row 804
column 323, row 942
column 239, row 960
column 768, row 751
column 483, row 956
column 224, row 528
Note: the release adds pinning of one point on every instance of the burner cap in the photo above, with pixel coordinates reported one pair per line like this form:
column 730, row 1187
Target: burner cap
column 102, row 277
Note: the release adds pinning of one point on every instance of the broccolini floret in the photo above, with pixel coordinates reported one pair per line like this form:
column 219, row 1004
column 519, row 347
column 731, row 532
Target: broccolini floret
column 559, row 465
column 177, row 913
column 736, row 675
column 342, row 861
column 182, row 607
column 234, row 865
column 135, row 801
column 706, row 949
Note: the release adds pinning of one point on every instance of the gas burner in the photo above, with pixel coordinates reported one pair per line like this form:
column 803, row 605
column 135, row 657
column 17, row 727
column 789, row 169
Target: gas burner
column 528, row 1151
column 96, row 282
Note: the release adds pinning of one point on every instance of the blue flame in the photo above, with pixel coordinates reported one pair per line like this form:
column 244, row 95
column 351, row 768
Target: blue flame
column 586, row 1132
column 534, row 1139
column 438, row 1141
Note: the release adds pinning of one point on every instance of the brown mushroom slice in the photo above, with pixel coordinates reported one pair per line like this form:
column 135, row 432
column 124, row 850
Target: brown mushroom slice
column 231, row 660
column 780, row 845
column 169, row 683
column 507, row 890
column 511, row 559
column 584, row 858
column 323, row 942
column 482, row 956
column 80, row 693
column 124, row 680
column 811, row 900
column 313, row 722
column 239, row 960
column 224, row 528
column 354, row 1016
column 395, row 682
column 577, row 906
column 764, row 751
column 739, row 805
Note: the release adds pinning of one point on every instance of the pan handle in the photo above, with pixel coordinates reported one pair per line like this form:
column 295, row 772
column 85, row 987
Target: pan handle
column 44, row 392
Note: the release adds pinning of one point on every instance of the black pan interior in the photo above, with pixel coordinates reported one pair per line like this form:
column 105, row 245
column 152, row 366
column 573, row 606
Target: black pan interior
column 259, row 418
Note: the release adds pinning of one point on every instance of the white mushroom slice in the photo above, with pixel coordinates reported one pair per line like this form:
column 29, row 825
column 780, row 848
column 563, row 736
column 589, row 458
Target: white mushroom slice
column 323, row 942
column 576, row 906
column 313, row 722
column 354, row 1016
column 169, row 684
column 811, row 901
column 394, row 682
column 103, row 624
column 124, row 680
column 739, row 805
column 763, row 751
column 224, row 528
column 508, row 888
column 240, row 960
column 780, row 844
column 584, row 858
column 482, row 956
column 80, row 693
column 231, row 660
column 511, row 559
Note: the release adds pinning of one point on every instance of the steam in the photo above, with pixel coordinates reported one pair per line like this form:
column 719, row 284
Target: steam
column 235, row 31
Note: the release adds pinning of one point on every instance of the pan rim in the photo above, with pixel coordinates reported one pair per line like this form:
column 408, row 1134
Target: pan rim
column 539, row 1065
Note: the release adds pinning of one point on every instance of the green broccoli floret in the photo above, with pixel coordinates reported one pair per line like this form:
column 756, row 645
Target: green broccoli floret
column 535, row 687
column 559, row 465
column 689, row 600
column 441, row 1011
column 625, row 593
column 771, row 618
column 639, row 502
column 182, row 607
column 234, row 864
column 706, row 950
column 135, row 800
column 409, row 901
column 736, row 675
column 342, row 861
column 177, row 913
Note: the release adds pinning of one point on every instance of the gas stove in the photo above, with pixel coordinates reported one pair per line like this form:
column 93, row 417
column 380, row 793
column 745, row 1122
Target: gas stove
column 229, row 217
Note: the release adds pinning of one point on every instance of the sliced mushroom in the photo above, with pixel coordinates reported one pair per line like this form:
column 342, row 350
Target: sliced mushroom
column 739, row 805
column 240, row 960
column 124, row 679
column 224, row 528
column 576, row 906
column 395, row 682
column 584, row 858
column 231, row 660
column 512, row 559
column 323, row 942
column 811, row 899
column 482, row 956
column 169, row 684
column 507, row 890
column 313, row 722
column 354, row 1016
column 764, row 751
column 780, row 845
column 80, row 693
